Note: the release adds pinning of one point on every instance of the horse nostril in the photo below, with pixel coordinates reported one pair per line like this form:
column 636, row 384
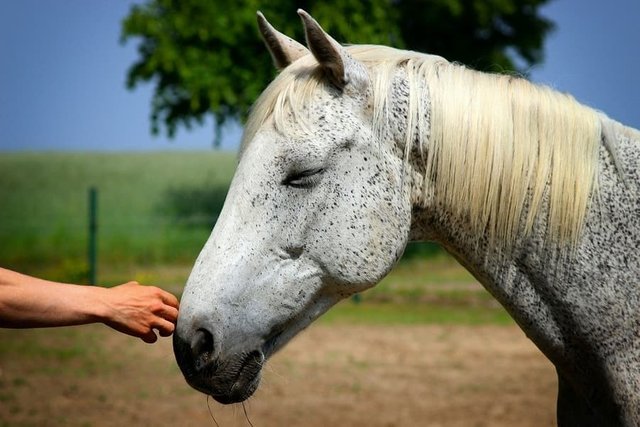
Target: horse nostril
column 202, row 348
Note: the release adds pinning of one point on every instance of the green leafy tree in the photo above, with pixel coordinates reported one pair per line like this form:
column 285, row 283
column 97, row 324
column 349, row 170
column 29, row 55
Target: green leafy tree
column 205, row 57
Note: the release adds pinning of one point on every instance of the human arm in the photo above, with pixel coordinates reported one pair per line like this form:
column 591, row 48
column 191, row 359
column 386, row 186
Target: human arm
column 29, row 302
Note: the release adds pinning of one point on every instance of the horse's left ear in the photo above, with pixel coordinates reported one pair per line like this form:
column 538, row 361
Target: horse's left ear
column 341, row 68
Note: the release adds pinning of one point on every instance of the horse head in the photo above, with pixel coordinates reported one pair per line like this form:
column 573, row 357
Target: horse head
column 318, row 210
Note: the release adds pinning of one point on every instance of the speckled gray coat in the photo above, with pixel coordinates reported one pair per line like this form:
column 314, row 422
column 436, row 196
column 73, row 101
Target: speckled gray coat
column 310, row 221
column 581, row 310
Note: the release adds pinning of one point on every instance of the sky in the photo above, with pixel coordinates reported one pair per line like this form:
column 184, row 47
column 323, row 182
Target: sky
column 63, row 70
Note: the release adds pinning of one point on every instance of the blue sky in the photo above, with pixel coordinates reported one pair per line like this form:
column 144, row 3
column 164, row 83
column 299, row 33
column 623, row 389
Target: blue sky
column 63, row 70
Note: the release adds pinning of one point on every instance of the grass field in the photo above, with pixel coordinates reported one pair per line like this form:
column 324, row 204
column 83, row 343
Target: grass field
column 151, row 208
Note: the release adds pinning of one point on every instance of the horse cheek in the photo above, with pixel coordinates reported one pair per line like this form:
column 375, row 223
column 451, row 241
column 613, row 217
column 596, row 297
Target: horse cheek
column 368, row 235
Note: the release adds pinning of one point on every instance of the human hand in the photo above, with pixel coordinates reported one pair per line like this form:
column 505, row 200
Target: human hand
column 139, row 311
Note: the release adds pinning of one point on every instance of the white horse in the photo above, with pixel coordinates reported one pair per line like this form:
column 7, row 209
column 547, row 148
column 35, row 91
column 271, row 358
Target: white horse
column 353, row 151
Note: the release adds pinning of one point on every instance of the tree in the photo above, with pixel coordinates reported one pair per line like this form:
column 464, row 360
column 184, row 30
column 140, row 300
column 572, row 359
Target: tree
column 206, row 57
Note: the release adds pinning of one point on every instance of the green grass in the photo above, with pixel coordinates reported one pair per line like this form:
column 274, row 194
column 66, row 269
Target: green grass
column 434, row 290
column 43, row 219
column 367, row 313
column 409, row 278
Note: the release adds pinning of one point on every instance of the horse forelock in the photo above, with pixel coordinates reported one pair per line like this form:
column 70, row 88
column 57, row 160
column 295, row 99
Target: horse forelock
column 498, row 148
column 284, row 99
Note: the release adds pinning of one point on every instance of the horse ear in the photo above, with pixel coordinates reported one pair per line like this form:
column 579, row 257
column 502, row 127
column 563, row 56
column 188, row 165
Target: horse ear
column 340, row 67
column 284, row 50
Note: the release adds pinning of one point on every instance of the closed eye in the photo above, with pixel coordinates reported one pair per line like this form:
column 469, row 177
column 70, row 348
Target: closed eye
column 304, row 179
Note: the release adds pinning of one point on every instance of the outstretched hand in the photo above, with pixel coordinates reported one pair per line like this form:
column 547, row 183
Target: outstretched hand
column 131, row 308
column 140, row 311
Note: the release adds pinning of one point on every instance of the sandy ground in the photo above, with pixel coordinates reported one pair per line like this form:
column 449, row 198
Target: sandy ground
column 339, row 375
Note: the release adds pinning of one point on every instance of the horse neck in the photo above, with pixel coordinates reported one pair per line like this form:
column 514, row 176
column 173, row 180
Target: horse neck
column 515, row 277
column 495, row 266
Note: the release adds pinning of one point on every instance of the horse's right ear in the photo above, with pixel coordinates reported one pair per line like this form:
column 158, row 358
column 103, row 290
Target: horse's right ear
column 340, row 67
column 284, row 50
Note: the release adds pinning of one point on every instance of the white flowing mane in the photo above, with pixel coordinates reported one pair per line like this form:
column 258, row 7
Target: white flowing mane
column 496, row 148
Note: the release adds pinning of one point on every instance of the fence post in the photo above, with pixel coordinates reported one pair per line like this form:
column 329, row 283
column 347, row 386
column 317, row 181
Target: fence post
column 93, row 235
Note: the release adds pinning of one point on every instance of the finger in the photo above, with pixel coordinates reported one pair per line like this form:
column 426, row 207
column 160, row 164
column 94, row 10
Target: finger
column 169, row 313
column 169, row 298
column 164, row 327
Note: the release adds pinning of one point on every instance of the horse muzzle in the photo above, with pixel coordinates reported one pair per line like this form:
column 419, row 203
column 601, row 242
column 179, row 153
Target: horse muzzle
column 229, row 379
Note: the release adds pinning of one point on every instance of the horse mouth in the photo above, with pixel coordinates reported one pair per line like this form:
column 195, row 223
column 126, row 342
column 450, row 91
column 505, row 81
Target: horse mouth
column 234, row 383
column 247, row 376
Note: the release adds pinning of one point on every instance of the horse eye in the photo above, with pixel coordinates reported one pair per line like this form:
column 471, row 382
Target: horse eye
column 304, row 179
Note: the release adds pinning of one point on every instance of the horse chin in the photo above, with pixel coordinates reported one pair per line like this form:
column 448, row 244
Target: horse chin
column 233, row 383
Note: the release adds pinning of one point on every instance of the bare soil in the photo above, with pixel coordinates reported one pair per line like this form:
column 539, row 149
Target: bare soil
column 337, row 375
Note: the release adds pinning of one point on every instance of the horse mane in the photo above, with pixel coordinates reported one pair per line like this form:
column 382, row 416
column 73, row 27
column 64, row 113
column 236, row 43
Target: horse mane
column 496, row 149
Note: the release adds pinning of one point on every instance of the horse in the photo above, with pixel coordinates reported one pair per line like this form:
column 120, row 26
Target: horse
column 353, row 151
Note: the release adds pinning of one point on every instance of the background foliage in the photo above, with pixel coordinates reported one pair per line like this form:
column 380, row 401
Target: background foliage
column 205, row 57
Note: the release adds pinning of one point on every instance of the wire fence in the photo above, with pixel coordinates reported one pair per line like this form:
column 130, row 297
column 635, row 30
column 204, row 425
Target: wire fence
column 69, row 244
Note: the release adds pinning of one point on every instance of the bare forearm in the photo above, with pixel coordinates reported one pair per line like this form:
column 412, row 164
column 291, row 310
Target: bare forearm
column 27, row 302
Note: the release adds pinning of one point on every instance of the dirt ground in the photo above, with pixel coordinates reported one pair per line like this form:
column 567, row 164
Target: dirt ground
column 338, row 375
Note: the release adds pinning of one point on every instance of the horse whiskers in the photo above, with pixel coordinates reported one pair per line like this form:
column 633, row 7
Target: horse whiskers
column 267, row 367
column 211, row 412
column 244, row 408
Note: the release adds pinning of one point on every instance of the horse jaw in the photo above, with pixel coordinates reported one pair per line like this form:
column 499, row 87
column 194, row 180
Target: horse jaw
column 230, row 329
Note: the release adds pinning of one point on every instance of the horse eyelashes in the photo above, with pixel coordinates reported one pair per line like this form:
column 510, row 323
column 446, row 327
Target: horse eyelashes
column 304, row 179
